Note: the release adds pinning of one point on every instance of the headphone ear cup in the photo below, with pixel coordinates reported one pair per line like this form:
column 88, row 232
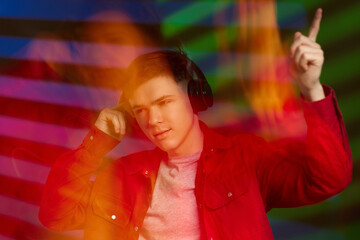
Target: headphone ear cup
column 200, row 96
column 193, row 93
column 207, row 95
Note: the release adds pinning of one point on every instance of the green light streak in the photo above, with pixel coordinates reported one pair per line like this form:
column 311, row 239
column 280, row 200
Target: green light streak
column 355, row 149
column 327, row 234
column 218, row 82
column 210, row 40
column 313, row 4
column 309, row 4
column 351, row 230
column 227, row 71
column 349, row 106
column 190, row 15
column 340, row 26
column 206, row 42
column 341, row 67
column 333, row 204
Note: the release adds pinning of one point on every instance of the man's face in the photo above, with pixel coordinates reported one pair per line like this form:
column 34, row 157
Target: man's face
column 164, row 113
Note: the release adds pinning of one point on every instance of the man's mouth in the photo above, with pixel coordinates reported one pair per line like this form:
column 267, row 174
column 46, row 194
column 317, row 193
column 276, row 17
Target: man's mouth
column 162, row 134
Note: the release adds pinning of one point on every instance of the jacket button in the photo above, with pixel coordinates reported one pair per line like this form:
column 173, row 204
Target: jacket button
column 146, row 172
column 113, row 217
column 136, row 228
column 91, row 137
column 229, row 194
column 211, row 150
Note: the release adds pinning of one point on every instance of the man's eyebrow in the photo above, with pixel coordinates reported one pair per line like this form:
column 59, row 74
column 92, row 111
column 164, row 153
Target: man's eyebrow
column 155, row 101
column 162, row 98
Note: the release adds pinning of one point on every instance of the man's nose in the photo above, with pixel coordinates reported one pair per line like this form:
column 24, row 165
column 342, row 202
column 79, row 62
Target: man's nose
column 155, row 116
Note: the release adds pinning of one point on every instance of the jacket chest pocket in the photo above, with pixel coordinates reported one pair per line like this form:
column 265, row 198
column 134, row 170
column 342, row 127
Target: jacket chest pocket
column 111, row 209
column 222, row 191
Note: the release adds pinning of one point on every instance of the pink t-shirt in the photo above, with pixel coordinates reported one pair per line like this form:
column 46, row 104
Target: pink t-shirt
column 173, row 212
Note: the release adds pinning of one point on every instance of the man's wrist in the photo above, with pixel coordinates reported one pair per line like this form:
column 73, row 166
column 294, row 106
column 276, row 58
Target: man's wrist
column 326, row 108
column 315, row 93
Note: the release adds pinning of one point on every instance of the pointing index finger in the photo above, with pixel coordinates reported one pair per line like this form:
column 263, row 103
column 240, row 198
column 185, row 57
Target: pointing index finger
column 315, row 26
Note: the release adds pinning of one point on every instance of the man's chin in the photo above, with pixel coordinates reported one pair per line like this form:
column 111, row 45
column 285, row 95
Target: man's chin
column 166, row 147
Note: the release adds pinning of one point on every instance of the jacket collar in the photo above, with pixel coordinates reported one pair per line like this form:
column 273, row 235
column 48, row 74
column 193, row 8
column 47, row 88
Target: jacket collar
column 148, row 161
column 213, row 140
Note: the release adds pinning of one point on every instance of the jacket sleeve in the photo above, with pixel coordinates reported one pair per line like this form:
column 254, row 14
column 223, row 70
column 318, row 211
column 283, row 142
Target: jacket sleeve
column 68, row 187
column 299, row 172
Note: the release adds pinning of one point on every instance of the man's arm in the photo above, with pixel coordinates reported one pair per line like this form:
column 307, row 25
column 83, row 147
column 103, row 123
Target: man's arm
column 294, row 173
column 68, row 188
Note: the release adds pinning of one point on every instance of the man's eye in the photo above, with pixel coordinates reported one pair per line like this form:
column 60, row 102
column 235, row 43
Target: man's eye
column 164, row 102
column 139, row 111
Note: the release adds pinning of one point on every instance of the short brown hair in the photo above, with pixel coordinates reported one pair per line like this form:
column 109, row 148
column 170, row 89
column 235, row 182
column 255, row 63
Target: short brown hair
column 154, row 64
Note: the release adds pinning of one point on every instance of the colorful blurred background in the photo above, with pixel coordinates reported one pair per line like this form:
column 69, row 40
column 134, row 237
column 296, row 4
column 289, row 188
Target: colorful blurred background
column 62, row 61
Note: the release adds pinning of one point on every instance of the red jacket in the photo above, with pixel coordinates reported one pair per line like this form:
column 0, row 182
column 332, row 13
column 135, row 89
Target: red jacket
column 238, row 180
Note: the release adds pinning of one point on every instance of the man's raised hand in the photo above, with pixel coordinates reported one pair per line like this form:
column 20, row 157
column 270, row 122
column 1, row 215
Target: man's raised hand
column 112, row 122
column 307, row 59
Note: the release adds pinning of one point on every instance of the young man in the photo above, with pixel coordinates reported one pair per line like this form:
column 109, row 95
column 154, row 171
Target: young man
column 196, row 184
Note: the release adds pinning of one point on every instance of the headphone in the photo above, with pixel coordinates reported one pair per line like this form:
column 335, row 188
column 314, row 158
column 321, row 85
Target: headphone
column 198, row 89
